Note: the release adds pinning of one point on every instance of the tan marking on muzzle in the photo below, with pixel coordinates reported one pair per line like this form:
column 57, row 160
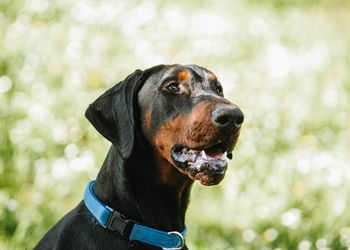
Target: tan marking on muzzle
column 200, row 127
column 193, row 130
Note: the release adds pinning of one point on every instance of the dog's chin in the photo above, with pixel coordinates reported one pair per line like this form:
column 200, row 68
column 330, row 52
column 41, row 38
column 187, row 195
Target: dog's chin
column 209, row 179
column 206, row 166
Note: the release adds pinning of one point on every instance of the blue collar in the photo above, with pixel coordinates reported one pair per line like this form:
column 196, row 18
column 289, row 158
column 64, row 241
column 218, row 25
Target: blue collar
column 116, row 222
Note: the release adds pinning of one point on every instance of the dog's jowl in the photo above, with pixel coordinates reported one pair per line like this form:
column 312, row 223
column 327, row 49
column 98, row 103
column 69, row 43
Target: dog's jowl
column 169, row 126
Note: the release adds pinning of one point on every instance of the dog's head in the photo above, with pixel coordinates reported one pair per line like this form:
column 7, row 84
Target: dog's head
column 183, row 116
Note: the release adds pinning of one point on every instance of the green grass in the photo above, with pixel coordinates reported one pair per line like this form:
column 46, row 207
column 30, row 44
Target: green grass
column 285, row 63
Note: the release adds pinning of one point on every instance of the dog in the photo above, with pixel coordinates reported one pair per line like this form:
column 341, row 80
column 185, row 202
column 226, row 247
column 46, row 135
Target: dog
column 169, row 125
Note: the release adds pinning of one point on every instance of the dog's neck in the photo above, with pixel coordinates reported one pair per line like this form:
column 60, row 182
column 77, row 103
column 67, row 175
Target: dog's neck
column 140, row 191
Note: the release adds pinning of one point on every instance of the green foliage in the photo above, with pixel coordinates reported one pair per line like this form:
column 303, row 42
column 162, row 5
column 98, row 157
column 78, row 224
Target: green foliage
column 285, row 63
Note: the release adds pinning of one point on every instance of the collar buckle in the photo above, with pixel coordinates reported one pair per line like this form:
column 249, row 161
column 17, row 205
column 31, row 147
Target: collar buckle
column 182, row 243
column 118, row 223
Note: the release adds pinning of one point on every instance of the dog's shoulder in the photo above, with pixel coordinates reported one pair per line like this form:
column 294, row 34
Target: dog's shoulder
column 79, row 230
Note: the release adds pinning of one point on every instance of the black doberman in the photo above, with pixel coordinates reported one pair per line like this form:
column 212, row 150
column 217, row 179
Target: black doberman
column 169, row 126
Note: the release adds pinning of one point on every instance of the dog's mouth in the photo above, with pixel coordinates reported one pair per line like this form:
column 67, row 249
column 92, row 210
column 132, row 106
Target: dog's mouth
column 206, row 164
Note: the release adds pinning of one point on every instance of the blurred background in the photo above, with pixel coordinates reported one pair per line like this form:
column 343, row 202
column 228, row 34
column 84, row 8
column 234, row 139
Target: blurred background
column 284, row 62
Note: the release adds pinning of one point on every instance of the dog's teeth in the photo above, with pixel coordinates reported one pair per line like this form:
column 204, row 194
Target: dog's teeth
column 223, row 157
column 204, row 156
column 185, row 150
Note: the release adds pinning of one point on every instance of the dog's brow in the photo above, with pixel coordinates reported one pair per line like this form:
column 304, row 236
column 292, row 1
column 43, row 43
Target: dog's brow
column 196, row 75
column 168, row 79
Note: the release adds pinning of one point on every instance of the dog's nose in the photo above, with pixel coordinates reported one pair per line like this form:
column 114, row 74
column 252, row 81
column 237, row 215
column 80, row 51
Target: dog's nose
column 228, row 116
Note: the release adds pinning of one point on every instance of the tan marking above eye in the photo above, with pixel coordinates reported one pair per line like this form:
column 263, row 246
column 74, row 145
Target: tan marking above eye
column 183, row 75
column 212, row 76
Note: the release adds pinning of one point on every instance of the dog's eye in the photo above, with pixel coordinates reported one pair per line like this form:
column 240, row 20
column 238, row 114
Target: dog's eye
column 218, row 89
column 173, row 87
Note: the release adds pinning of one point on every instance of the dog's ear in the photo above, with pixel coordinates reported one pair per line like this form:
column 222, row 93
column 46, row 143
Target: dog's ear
column 112, row 113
